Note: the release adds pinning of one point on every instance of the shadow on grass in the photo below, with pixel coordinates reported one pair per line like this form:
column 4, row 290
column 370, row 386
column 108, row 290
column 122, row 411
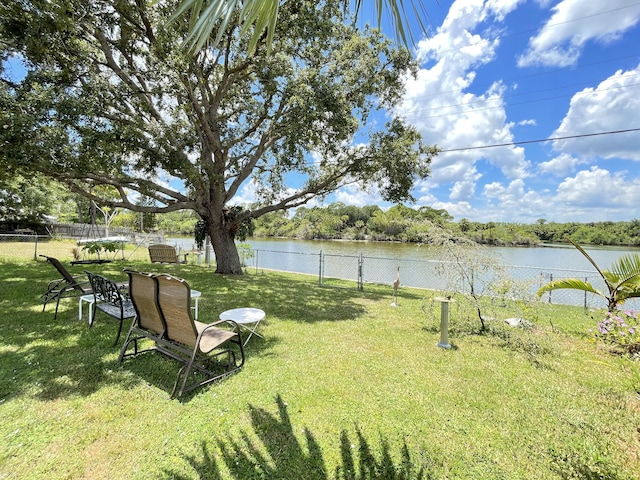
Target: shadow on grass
column 279, row 454
column 41, row 356
column 282, row 297
column 50, row 359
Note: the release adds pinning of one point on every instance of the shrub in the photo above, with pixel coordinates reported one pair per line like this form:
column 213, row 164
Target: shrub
column 621, row 329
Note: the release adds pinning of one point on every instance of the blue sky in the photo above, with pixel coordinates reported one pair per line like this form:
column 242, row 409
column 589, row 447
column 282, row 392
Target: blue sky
column 508, row 71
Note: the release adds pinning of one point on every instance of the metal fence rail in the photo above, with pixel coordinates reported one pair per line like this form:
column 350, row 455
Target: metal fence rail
column 360, row 270
column 428, row 274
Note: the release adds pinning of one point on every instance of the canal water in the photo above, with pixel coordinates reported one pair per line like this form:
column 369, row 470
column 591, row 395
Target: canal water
column 421, row 266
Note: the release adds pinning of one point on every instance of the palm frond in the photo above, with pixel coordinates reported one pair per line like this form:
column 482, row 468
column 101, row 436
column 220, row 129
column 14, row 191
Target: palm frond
column 262, row 15
column 572, row 283
column 586, row 255
column 627, row 267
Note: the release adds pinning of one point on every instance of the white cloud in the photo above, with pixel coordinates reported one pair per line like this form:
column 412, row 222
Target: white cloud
column 613, row 105
column 246, row 195
column 354, row 195
column 457, row 209
column 463, row 190
column 447, row 115
column 515, row 200
column 600, row 188
column 560, row 165
column 574, row 23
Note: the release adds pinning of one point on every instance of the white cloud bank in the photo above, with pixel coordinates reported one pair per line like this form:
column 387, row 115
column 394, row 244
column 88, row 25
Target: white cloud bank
column 613, row 105
column 574, row 23
column 582, row 179
column 439, row 104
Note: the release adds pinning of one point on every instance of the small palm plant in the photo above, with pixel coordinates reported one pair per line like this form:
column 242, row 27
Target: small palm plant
column 622, row 281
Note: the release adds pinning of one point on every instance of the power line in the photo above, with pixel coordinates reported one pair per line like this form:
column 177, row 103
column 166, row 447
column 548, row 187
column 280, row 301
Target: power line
column 524, row 142
column 523, row 32
column 504, row 105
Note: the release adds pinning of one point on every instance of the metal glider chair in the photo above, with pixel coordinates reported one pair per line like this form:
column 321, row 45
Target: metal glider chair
column 148, row 322
column 67, row 286
column 207, row 352
column 166, row 254
column 110, row 298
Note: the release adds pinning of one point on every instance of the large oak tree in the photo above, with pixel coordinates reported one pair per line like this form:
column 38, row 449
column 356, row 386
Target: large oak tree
column 110, row 98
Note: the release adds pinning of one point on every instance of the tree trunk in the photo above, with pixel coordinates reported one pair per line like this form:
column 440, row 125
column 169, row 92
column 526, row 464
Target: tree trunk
column 224, row 247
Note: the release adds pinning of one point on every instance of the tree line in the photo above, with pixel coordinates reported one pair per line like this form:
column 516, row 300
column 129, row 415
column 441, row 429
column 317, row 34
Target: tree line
column 404, row 224
column 29, row 201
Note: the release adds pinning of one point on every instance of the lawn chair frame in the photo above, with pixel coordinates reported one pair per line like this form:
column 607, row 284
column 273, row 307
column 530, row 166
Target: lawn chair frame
column 169, row 323
column 110, row 298
column 67, row 286
column 165, row 254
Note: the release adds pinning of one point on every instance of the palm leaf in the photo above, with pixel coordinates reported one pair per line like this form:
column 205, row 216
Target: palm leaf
column 627, row 267
column 583, row 252
column 216, row 15
column 572, row 283
column 262, row 15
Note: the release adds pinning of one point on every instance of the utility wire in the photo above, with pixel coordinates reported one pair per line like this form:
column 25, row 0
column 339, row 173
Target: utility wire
column 544, row 27
column 469, row 105
column 524, row 142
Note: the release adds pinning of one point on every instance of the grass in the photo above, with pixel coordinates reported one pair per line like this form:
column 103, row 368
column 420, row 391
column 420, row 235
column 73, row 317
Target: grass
column 343, row 385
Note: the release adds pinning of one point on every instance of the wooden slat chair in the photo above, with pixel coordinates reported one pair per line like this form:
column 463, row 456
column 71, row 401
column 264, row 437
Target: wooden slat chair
column 198, row 345
column 67, row 286
column 148, row 322
column 111, row 299
column 165, row 254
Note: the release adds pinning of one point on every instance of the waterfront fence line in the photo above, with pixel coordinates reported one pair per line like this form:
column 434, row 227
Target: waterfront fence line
column 513, row 281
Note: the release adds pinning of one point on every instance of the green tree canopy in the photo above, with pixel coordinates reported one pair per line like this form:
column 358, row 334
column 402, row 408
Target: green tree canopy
column 111, row 98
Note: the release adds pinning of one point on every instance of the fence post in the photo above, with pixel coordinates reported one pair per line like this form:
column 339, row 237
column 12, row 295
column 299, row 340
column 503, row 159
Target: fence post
column 360, row 271
column 320, row 269
column 35, row 248
column 257, row 260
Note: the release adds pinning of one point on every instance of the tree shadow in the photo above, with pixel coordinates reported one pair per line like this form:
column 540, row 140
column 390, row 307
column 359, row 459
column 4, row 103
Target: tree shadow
column 286, row 298
column 279, row 454
column 53, row 358
column 50, row 358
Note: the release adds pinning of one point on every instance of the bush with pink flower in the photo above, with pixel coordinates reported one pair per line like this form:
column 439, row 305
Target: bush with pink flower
column 620, row 328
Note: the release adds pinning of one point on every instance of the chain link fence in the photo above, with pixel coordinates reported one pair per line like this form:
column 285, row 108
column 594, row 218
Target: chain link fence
column 30, row 246
column 357, row 271
column 494, row 280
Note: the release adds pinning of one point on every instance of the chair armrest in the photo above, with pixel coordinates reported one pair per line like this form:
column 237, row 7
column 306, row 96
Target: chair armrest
column 215, row 324
column 55, row 283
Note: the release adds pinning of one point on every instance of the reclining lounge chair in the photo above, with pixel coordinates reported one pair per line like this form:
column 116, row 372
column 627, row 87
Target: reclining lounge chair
column 67, row 286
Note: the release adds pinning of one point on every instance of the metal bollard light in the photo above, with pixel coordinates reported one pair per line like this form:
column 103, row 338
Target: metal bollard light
column 444, row 321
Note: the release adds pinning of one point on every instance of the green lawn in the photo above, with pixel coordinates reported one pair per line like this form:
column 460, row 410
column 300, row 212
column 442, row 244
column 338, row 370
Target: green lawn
column 343, row 385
